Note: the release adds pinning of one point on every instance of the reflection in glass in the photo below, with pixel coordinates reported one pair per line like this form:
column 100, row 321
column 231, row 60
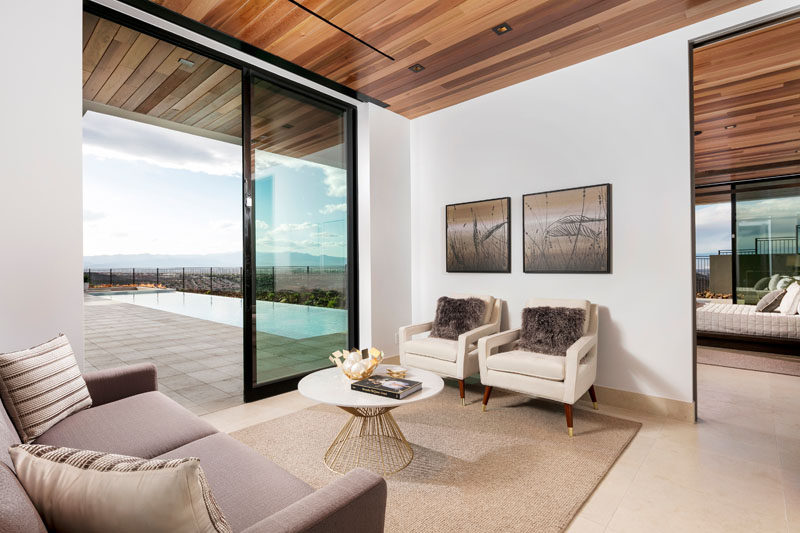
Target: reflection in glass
column 300, row 221
column 767, row 226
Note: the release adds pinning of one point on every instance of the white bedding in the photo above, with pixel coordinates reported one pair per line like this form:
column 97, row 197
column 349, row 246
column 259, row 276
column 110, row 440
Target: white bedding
column 743, row 320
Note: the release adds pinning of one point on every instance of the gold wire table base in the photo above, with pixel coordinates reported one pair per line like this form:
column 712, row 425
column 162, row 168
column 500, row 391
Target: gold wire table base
column 370, row 439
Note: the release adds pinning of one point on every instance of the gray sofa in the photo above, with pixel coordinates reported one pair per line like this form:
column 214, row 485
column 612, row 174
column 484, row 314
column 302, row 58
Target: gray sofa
column 128, row 416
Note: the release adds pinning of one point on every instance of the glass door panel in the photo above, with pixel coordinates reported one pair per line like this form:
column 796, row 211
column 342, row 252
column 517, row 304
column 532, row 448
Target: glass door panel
column 766, row 237
column 300, row 227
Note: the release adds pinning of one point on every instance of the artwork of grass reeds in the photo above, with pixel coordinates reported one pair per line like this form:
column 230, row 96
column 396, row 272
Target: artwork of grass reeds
column 478, row 236
column 567, row 230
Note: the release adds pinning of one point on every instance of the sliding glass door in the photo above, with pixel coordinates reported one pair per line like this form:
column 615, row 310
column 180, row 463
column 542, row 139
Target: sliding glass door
column 302, row 304
column 767, row 225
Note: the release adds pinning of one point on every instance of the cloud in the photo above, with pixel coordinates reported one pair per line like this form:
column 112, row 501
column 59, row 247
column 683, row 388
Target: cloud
column 92, row 216
column 225, row 225
column 335, row 178
column 333, row 208
column 109, row 137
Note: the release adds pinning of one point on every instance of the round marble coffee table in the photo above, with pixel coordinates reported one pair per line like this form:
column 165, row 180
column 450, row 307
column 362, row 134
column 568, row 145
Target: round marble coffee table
column 371, row 437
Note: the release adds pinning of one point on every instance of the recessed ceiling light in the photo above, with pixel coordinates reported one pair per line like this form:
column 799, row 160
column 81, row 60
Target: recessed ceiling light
column 697, row 132
column 184, row 61
column 730, row 126
column 288, row 126
column 416, row 68
column 502, row 28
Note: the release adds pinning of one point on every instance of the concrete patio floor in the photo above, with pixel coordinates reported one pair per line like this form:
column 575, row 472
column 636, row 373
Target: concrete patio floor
column 199, row 361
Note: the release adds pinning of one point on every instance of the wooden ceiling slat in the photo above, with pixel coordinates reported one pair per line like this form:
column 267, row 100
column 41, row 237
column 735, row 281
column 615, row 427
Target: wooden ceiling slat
column 749, row 83
column 154, row 58
column 132, row 59
column 101, row 37
column 89, row 23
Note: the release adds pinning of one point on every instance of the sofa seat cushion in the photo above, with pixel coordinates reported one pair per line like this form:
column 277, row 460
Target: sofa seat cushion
column 246, row 486
column 533, row 364
column 144, row 425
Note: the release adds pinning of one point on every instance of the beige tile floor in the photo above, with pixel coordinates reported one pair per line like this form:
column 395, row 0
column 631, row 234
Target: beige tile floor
column 736, row 470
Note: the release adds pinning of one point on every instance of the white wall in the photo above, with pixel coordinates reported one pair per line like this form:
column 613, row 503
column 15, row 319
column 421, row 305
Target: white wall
column 41, row 234
column 621, row 118
column 390, row 238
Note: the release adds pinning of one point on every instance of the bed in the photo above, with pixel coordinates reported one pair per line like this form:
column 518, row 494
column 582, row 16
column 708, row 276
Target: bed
column 744, row 320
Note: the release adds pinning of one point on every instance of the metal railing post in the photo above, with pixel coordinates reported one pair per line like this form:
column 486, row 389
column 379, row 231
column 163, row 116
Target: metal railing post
column 133, row 276
column 111, row 276
column 183, row 278
column 274, row 281
column 210, row 279
column 90, row 276
column 156, row 276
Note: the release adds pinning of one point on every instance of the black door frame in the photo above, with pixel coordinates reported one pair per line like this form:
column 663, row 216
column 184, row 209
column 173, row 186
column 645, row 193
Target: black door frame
column 252, row 391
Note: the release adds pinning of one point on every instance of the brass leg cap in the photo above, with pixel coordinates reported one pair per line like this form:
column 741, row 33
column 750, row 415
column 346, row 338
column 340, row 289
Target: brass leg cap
column 483, row 408
column 463, row 402
column 594, row 404
column 569, row 431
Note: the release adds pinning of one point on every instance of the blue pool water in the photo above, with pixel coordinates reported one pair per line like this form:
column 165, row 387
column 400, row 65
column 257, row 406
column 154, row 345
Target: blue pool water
column 287, row 320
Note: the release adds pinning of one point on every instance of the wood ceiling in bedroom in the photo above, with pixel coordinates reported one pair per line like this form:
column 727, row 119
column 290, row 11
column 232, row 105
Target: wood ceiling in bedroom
column 378, row 40
column 747, row 105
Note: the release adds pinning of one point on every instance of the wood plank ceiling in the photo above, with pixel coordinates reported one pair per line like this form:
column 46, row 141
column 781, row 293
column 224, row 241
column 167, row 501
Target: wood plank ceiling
column 747, row 105
column 135, row 76
column 452, row 39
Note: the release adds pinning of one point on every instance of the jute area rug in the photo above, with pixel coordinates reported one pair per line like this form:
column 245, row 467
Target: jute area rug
column 761, row 362
column 512, row 468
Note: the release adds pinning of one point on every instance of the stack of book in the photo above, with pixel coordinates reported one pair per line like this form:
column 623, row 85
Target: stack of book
column 387, row 386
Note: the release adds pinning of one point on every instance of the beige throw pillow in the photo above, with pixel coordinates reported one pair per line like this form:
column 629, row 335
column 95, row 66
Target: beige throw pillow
column 41, row 386
column 80, row 491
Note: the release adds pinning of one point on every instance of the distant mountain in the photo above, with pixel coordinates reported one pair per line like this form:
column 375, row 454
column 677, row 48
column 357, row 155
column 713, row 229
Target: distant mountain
column 229, row 259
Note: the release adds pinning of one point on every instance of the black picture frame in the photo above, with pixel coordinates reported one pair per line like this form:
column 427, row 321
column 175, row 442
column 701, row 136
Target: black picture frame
column 502, row 264
column 605, row 233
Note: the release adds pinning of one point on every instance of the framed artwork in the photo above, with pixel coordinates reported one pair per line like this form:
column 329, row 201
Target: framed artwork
column 478, row 236
column 567, row 230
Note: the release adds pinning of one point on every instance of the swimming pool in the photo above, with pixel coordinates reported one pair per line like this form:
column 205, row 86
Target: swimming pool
column 287, row 320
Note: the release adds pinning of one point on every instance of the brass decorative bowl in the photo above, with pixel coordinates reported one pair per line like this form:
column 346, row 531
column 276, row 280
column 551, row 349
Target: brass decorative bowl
column 397, row 372
column 357, row 364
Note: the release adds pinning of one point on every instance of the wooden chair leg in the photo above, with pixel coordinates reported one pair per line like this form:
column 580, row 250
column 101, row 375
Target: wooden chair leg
column 461, row 391
column 593, row 396
column 486, row 393
column 568, row 412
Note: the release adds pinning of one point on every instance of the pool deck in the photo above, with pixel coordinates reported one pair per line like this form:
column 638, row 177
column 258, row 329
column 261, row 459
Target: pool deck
column 199, row 362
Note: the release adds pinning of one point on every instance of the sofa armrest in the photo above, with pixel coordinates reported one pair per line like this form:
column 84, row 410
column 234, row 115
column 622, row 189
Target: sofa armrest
column 355, row 503
column 106, row 386
column 487, row 345
column 406, row 332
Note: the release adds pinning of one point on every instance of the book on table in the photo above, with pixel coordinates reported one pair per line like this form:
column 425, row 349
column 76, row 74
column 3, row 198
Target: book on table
column 387, row 386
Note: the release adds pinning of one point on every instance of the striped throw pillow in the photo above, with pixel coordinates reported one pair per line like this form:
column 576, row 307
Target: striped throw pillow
column 94, row 492
column 41, row 386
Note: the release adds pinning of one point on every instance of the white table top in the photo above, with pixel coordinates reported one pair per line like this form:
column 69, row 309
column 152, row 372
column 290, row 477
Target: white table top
column 332, row 387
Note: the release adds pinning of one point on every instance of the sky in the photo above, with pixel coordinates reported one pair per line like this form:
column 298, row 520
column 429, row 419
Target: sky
column 153, row 190
column 775, row 217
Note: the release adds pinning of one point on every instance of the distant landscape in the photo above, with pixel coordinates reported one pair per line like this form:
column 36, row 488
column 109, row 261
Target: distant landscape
column 229, row 259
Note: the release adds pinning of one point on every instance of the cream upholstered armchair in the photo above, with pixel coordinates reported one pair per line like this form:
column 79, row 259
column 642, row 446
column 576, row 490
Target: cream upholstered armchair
column 456, row 359
column 559, row 378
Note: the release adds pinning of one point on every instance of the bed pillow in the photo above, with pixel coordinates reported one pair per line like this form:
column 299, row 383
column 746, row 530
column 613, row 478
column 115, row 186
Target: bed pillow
column 773, row 282
column 761, row 284
column 95, row 492
column 455, row 316
column 770, row 301
column 790, row 300
column 41, row 386
column 551, row 330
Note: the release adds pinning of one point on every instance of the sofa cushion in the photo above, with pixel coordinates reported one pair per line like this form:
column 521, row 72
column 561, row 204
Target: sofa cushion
column 444, row 349
column 773, row 281
column 17, row 513
column 770, row 301
column 791, row 300
column 83, row 491
column 41, row 386
column 533, row 364
column 144, row 425
column 455, row 316
column 247, row 486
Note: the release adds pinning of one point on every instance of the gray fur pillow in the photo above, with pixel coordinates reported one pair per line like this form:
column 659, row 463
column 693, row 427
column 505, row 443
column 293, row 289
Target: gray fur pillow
column 550, row 330
column 455, row 316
